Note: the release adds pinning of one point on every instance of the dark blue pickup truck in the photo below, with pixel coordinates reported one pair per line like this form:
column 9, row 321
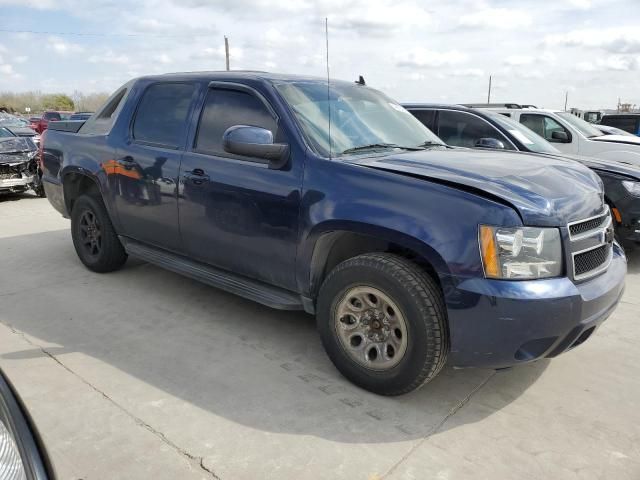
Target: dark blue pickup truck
column 335, row 200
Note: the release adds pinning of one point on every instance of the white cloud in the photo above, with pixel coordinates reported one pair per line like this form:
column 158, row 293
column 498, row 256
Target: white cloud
column 62, row 47
column 619, row 63
column 519, row 60
column 502, row 18
column 614, row 40
column 163, row 58
column 422, row 58
column 109, row 57
column 467, row 72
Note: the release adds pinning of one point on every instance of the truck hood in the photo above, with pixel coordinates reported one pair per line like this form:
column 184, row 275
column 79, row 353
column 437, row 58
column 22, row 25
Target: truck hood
column 545, row 191
column 617, row 139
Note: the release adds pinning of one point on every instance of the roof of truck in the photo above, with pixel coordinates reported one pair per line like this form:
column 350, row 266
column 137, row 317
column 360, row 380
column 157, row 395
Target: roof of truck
column 239, row 75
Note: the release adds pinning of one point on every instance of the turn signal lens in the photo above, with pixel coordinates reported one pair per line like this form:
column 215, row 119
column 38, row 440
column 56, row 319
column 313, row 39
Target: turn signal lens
column 489, row 252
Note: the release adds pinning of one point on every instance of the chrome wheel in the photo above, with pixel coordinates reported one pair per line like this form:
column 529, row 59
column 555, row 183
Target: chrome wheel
column 371, row 328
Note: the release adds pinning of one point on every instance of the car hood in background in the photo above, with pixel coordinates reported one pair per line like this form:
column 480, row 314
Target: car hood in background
column 23, row 131
column 15, row 150
column 617, row 139
column 620, row 167
column 545, row 191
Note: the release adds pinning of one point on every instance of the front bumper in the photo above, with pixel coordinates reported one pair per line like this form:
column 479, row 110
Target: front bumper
column 498, row 323
column 24, row 181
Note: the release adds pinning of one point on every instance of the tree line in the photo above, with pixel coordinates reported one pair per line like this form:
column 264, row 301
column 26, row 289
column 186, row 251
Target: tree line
column 37, row 101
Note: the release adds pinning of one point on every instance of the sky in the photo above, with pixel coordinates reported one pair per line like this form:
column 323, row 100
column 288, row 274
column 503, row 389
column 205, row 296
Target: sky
column 420, row 51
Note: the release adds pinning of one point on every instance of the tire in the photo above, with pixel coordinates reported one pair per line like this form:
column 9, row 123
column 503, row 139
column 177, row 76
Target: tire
column 94, row 238
column 39, row 190
column 415, row 327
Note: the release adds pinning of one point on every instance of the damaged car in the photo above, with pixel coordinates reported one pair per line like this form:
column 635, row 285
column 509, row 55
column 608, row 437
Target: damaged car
column 19, row 170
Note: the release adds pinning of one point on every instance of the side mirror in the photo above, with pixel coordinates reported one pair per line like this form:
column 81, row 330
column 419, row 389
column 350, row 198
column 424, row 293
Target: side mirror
column 255, row 142
column 489, row 143
column 22, row 454
column 560, row 136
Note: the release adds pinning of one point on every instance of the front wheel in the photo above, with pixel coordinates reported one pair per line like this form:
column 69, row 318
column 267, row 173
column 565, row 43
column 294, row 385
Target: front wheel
column 94, row 238
column 382, row 322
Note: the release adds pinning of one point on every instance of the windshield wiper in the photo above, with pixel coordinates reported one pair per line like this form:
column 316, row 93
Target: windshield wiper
column 371, row 147
column 429, row 143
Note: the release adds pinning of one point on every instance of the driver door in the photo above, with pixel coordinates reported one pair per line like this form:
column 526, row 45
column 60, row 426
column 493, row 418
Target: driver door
column 235, row 213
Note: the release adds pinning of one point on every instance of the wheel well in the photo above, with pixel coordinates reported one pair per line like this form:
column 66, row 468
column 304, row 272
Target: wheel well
column 76, row 184
column 336, row 247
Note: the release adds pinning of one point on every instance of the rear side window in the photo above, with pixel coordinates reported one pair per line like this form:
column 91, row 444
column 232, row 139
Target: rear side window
column 226, row 108
column 461, row 129
column 628, row 124
column 161, row 118
column 425, row 116
column 102, row 121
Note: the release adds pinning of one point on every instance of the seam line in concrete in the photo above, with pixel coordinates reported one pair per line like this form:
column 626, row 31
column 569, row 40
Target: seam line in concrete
column 456, row 408
column 193, row 459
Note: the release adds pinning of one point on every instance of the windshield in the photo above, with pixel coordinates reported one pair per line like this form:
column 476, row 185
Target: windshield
column 11, row 121
column 583, row 127
column 530, row 139
column 362, row 119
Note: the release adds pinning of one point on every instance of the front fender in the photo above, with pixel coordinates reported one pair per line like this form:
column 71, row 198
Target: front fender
column 437, row 222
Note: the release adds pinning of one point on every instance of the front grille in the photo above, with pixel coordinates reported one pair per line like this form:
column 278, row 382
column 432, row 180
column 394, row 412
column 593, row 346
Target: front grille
column 591, row 244
column 591, row 260
column 587, row 225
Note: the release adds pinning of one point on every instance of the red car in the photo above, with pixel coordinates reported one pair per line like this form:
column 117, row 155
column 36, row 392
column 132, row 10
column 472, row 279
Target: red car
column 39, row 124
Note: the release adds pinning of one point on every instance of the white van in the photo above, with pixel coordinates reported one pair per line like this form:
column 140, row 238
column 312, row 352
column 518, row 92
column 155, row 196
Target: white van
column 571, row 134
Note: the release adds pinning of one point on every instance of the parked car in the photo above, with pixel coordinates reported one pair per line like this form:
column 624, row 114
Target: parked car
column 461, row 126
column 19, row 127
column 23, row 455
column 42, row 122
column 629, row 122
column 80, row 116
column 608, row 130
column 410, row 253
column 19, row 170
column 571, row 134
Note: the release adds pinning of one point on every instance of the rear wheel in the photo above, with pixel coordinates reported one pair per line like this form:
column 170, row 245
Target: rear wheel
column 94, row 238
column 382, row 322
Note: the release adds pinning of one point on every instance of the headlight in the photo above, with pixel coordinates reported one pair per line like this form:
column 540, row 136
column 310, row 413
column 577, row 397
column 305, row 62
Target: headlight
column 520, row 253
column 10, row 460
column 632, row 187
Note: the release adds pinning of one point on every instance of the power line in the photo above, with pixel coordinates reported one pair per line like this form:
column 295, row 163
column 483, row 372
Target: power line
column 89, row 34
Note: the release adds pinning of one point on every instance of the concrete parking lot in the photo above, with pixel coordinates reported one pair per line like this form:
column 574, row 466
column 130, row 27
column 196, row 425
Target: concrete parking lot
column 145, row 374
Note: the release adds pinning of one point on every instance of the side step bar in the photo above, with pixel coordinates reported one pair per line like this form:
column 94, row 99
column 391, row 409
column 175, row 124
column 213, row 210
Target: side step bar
column 257, row 291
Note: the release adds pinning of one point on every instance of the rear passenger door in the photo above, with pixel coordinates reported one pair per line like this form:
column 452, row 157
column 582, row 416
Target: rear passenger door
column 146, row 168
column 235, row 212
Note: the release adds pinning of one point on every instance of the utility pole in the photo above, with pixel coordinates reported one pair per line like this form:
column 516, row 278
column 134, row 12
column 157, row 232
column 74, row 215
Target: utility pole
column 226, row 51
column 489, row 93
column 566, row 99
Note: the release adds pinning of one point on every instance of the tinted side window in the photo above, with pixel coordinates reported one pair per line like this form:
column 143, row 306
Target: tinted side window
column 628, row 124
column 161, row 117
column 462, row 129
column 103, row 120
column 542, row 125
column 426, row 117
column 226, row 108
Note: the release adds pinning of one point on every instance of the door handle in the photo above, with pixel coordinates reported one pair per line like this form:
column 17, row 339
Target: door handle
column 127, row 162
column 196, row 176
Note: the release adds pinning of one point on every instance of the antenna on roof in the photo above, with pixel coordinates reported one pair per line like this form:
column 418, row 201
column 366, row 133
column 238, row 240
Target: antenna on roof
column 360, row 80
column 326, row 36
